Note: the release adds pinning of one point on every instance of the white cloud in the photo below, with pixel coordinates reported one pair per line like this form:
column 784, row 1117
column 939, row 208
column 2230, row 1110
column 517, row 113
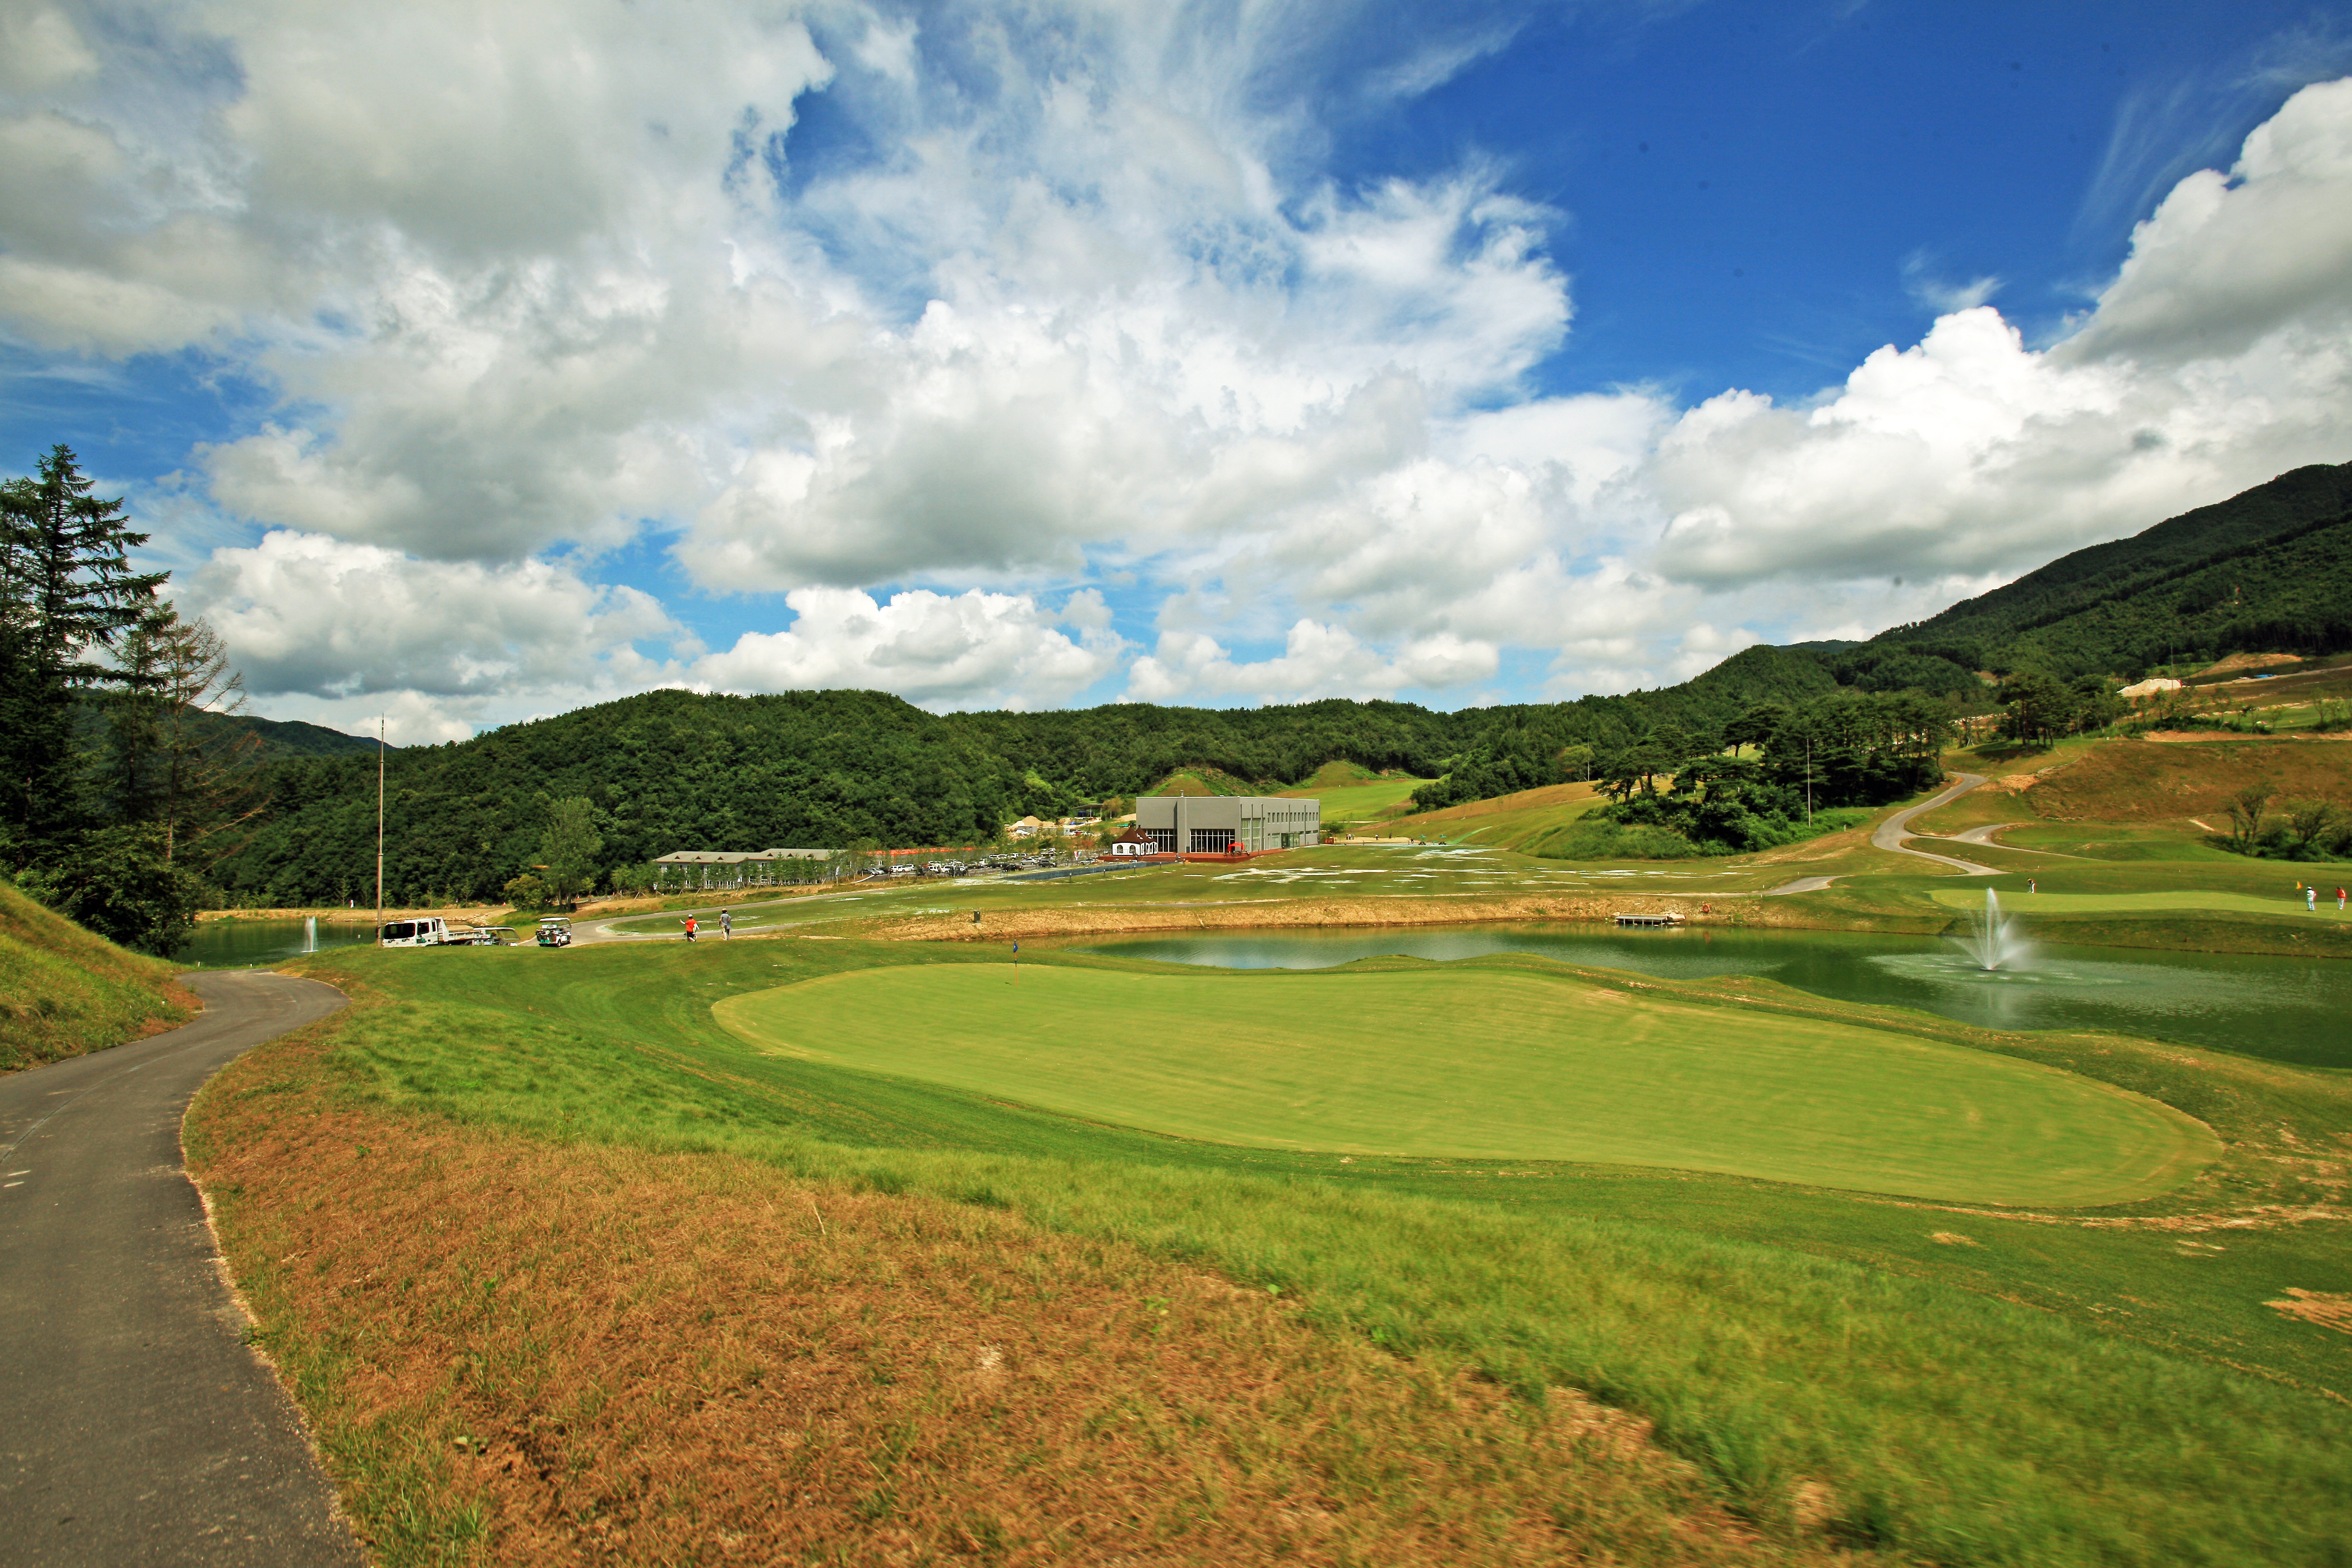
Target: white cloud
column 1071, row 300
column 2217, row 359
column 306, row 614
column 1317, row 660
column 41, row 50
column 2228, row 259
column 974, row 649
column 1924, row 282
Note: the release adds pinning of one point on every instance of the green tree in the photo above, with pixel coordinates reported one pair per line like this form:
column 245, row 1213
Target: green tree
column 169, row 760
column 570, row 848
column 118, row 882
column 529, row 891
column 2037, row 709
column 67, row 590
column 2312, row 823
column 2246, row 810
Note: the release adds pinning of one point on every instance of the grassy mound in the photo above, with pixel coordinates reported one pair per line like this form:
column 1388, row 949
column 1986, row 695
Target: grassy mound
column 64, row 991
column 1202, row 780
column 1486, row 1062
column 2141, row 781
column 1358, row 803
column 1506, row 821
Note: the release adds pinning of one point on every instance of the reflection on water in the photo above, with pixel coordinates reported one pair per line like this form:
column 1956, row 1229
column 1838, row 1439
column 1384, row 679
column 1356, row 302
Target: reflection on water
column 227, row 944
column 2287, row 1009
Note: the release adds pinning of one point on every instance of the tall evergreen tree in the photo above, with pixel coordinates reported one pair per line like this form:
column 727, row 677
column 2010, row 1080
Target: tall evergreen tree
column 170, row 760
column 68, row 591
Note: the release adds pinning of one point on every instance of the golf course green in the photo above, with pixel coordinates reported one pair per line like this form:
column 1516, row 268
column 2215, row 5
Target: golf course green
column 1485, row 1062
column 2197, row 898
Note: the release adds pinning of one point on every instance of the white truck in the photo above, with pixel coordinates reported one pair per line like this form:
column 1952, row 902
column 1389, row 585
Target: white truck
column 431, row 933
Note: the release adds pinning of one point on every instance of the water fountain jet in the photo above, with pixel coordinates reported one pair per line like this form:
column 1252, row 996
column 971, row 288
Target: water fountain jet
column 1992, row 940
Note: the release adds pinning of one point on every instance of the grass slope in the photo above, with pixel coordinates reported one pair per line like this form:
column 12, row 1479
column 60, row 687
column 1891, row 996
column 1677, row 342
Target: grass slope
column 65, row 992
column 2139, row 781
column 1512, row 821
column 1965, row 1385
column 1352, row 796
column 1483, row 1063
column 529, row 1351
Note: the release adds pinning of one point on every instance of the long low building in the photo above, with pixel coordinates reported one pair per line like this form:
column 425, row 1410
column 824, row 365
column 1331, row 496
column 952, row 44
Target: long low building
column 1215, row 823
column 735, row 856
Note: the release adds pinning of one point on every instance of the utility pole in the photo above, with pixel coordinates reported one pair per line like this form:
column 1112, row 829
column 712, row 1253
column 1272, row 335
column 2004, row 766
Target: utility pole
column 379, row 829
column 1808, row 781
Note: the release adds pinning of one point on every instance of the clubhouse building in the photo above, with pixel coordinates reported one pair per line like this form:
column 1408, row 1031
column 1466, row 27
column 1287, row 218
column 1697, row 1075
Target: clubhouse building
column 1222, row 824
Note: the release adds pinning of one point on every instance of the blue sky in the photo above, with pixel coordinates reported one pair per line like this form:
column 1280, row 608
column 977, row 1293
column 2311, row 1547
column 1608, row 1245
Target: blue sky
column 474, row 364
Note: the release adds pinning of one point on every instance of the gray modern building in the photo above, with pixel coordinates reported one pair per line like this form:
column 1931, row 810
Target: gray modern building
column 1213, row 824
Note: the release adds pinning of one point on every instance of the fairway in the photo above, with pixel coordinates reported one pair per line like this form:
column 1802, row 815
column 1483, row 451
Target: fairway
column 1491, row 1063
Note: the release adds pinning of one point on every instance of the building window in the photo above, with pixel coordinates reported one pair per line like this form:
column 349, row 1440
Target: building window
column 1212, row 840
column 1163, row 840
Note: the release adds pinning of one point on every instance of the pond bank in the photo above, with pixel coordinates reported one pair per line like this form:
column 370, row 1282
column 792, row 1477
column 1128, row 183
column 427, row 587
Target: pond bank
column 1902, row 913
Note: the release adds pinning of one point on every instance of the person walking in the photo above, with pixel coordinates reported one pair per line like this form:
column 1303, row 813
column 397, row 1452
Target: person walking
column 726, row 926
column 2311, row 900
column 2340, row 900
column 689, row 927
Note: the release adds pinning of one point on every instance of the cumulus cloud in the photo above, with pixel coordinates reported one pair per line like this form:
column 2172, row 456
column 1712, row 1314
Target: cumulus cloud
column 2228, row 259
column 974, row 649
column 306, row 614
column 1317, row 660
column 2215, row 360
column 1042, row 296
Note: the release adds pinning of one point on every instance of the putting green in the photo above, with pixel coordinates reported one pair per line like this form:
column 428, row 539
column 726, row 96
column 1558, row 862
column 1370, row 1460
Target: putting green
column 2120, row 904
column 1491, row 1063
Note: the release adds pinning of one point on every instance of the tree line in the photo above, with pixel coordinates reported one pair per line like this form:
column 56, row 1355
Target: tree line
column 127, row 795
column 119, row 789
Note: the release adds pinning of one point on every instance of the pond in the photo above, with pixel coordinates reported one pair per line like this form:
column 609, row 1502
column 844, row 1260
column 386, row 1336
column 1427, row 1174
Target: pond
column 232, row 943
column 2290, row 1010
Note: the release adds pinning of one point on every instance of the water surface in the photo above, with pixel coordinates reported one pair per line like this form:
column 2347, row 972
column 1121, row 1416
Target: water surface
column 2287, row 1009
column 228, row 944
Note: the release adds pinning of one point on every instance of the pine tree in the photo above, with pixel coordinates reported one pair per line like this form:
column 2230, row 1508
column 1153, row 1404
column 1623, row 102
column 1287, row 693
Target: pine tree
column 67, row 590
column 170, row 760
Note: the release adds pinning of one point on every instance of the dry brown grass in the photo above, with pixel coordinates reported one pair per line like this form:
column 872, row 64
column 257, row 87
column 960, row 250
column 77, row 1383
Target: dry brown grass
column 2128, row 781
column 1099, row 920
column 623, row 1357
column 2317, row 1307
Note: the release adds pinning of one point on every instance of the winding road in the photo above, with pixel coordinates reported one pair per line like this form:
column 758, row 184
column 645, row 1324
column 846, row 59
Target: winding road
column 1891, row 833
column 139, row 1427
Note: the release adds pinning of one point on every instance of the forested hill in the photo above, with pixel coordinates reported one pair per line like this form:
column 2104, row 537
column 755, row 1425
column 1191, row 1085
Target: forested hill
column 2266, row 571
column 671, row 769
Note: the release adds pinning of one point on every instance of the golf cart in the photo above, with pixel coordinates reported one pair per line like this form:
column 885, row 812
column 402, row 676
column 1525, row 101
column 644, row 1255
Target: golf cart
column 555, row 931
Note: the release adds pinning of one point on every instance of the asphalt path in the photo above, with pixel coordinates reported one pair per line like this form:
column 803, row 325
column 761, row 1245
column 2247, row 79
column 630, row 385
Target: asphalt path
column 1892, row 832
column 136, row 1426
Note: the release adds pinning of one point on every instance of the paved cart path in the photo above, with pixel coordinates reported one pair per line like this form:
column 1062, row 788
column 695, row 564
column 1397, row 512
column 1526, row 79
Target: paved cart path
column 1896, row 828
column 135, row 1426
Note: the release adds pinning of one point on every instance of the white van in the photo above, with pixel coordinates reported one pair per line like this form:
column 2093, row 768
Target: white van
column 433, row 933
